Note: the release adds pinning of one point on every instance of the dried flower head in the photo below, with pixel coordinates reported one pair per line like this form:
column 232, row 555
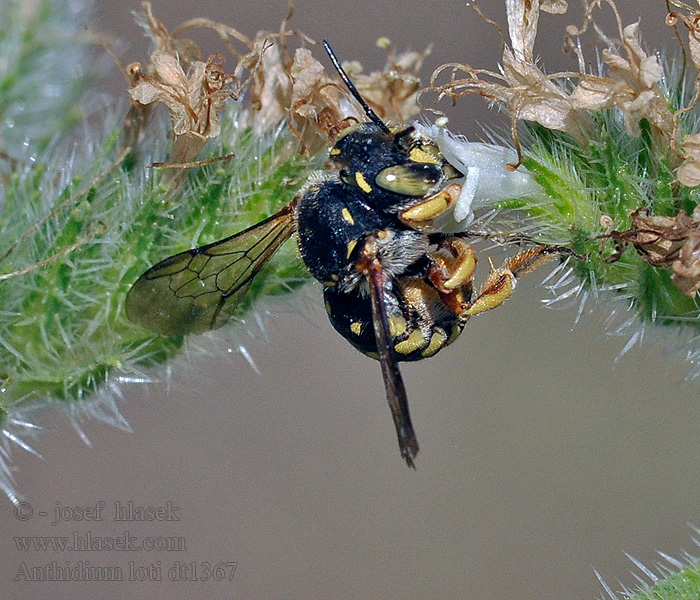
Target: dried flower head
column 664, row 242
column 563, row 101
column 393, row 91
column 315, row 114
column 193, row 90
column 194, row 98
column 688, row 172
column 296, row 89
column 316, row 103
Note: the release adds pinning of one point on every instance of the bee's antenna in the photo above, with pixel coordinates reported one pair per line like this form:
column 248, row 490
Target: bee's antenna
column 353, row 90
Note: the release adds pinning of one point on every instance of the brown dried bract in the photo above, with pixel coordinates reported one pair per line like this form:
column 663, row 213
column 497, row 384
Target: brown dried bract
column 631, row 83
column 393, row 92
column 283, row 84
column 300, row 91
column 664, row 242
column 688, row 173
column 315, row 114
column 692, row 24
column 318, row 106
column 193, row 90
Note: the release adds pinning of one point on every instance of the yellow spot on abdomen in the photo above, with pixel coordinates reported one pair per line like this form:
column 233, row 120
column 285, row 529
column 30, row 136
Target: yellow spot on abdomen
column 356, row 327
column 347, row 216
column 410, row 345
column 362, row 183
column 397, row 325
column 351, row 247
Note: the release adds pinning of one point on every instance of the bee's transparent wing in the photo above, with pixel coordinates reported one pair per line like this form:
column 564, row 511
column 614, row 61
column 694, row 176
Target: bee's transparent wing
column 370, row 266
column 198, row 290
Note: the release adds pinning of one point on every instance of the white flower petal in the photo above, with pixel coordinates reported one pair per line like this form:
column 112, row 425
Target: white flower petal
column 463, row 208
column 488, row 179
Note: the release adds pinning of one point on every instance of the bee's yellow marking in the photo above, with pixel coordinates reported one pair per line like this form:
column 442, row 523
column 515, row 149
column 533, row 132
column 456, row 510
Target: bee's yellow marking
column 421, row 156
column 356, row 327
column 459, row 297
column 497, row 289
column 429, row 209
column 383, row 234
column 397, row 325
column 347, row 216
column 335, row 277
column 456, row 330
column 437, row 341
column 334, row 151
column 351, row 247
column 414, row 341
column 362, row 183
column 463, row 269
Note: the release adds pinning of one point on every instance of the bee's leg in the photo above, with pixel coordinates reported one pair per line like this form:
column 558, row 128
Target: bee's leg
column 422, row 215
column 452, row 273
column 501, row 282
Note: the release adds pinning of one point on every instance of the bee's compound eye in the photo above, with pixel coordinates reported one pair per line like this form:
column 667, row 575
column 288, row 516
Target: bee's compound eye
column 409, row 180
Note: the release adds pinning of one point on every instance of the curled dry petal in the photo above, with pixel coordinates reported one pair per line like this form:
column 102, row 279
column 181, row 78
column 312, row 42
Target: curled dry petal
column 633, row 42
column 523, row 16
column 314, row 111
column 650, row 71
column 270, row 87
column 554, row 7
column 686, row 270
column 688, row 173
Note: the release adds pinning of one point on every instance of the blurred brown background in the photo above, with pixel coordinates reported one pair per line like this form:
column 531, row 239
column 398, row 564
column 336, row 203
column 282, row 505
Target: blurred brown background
column 541, row 460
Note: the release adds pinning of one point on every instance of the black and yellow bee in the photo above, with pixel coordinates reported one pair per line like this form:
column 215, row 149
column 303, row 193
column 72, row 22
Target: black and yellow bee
column 395, row 286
